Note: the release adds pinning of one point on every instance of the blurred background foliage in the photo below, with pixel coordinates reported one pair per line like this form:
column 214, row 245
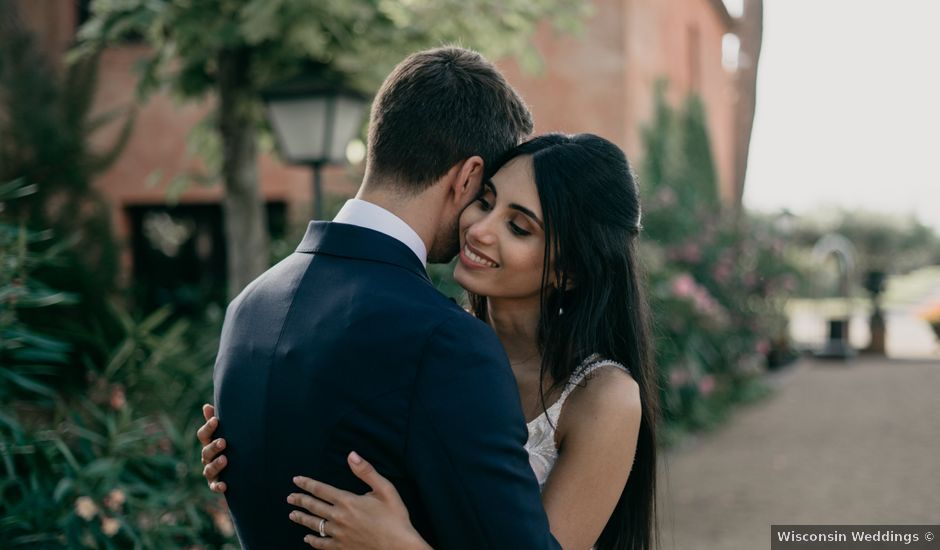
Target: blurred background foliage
column 47, row 133
column 108, row 459
column 718, row 279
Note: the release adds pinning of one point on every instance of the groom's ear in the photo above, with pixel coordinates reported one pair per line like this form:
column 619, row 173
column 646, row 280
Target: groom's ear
column 469, row 178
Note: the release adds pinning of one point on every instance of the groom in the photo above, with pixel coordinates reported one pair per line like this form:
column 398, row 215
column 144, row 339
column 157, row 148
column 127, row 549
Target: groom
column 346, row 345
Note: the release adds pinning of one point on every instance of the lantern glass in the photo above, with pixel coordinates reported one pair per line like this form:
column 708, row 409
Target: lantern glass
column 315, row 129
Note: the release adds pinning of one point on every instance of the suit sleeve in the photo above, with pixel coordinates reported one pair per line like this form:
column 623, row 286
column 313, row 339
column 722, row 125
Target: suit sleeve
column 465, row 444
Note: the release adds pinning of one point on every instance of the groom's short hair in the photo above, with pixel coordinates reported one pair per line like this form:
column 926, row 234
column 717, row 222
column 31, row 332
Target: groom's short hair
column 439, row 107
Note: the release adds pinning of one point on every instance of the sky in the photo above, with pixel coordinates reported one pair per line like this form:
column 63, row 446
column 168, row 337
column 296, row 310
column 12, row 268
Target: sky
column 848, row 108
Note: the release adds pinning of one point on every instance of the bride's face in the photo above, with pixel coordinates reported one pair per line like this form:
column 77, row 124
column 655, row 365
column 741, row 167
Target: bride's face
column 502, row 236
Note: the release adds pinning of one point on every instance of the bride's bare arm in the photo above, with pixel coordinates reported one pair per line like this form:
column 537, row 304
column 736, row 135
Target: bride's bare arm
column 597, row 433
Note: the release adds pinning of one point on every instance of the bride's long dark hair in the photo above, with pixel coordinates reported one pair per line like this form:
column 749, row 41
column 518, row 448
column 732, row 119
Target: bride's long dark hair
column 591, row 207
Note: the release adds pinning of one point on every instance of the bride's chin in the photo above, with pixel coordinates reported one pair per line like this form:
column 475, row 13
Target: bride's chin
column 466, row 282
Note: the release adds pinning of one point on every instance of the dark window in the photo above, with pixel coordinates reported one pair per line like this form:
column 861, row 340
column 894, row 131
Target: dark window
column 179, row 254
column 84, row 11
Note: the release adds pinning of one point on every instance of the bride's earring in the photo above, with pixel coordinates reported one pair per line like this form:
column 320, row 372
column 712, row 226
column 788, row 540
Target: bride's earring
column 561, row 293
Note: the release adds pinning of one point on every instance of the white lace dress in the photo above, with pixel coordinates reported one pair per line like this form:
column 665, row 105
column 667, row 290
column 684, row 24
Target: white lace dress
column 541, row 444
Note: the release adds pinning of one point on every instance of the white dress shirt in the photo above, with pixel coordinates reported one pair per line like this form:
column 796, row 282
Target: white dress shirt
column 371, row 216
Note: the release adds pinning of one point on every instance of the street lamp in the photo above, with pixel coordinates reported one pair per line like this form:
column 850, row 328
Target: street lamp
column 313, row 122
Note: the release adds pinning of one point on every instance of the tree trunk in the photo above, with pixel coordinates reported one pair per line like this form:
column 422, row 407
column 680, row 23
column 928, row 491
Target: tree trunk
column 243, row 208
column 750, row 32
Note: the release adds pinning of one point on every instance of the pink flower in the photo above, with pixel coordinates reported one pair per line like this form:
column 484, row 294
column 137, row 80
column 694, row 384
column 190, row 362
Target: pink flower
column 115, row 500
column 683, row 285
column 666, row 196
column 678, row 377
column 691, row 253
column 703, row 301
column 722, row 273
column 763, row 347
column 118, row 399
column 706, row 385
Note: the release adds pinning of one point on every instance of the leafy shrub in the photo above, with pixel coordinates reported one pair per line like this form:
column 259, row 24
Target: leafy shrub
column 114, row 464
column 718, row 280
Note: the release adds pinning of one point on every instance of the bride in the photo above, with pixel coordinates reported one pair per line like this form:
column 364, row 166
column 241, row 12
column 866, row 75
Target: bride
column 548, row 258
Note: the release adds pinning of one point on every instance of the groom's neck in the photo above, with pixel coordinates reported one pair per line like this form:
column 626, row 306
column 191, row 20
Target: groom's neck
column 421, row 212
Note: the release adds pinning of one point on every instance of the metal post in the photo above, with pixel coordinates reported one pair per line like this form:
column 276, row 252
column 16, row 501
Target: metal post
column 317, row 192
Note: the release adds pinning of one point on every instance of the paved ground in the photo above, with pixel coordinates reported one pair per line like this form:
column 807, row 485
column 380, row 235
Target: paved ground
column 836, row 443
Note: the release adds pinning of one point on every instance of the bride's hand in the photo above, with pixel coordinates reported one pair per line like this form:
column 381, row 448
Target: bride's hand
column 213, row 460
column 376, row 520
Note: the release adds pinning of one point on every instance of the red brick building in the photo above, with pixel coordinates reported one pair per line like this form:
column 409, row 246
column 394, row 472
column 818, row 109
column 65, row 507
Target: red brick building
column 600, row 82
column 603, row 81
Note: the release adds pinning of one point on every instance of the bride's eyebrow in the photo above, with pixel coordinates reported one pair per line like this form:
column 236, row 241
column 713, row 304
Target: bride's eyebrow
column 489, row 185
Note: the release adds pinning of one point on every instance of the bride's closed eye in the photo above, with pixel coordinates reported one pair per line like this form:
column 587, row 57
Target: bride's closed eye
column 518, row 230
column 484, row 203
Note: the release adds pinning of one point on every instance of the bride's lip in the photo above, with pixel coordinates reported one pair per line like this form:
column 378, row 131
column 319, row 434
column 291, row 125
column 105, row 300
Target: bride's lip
column 480, row 254
column 473, row 264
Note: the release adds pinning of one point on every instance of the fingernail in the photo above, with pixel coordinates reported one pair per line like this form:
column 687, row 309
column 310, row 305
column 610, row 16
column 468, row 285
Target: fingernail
column 222, row 459
column 355, row 458
column 290, row 499
column 293, row 515
column 221, row 444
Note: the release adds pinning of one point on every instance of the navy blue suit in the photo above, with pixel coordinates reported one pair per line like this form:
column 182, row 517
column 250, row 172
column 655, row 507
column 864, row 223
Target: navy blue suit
column 345, row 345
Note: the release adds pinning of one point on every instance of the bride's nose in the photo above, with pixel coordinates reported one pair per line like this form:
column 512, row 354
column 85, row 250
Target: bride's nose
column 481, row 232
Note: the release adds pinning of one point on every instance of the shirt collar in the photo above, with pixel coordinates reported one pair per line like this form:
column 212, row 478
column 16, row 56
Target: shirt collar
column 372, row 216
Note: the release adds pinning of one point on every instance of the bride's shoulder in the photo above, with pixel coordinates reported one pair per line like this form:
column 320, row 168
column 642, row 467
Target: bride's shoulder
column 607, row 395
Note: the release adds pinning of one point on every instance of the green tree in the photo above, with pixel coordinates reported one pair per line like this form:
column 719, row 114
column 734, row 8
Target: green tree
column 883, row 242
column 678, row 171
column 46, row 130
column 230, row 49
column 50, row 137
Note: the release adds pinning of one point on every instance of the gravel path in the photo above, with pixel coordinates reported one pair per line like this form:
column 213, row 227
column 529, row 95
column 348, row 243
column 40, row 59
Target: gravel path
column 837, row 443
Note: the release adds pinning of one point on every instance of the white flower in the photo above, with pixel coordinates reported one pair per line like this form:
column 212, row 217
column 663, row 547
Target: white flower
column 110, row 526
column 115, row 500
column 85, row 508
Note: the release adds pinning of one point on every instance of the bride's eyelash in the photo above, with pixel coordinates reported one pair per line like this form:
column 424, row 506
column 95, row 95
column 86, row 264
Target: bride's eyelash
column 518, row 230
